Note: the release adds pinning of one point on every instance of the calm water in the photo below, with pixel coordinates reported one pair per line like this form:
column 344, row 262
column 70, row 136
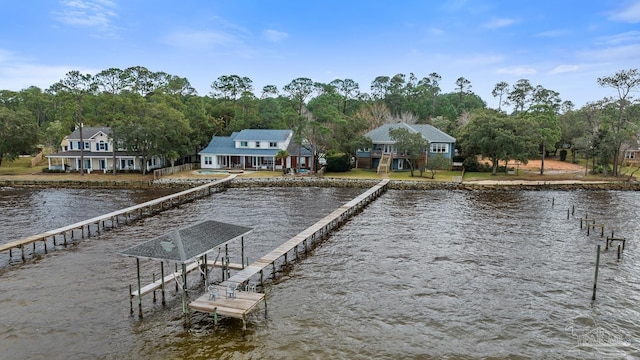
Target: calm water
column 417, row 275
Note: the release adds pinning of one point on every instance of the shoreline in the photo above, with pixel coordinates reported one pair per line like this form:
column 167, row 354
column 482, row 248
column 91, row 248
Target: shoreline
column 169, row 183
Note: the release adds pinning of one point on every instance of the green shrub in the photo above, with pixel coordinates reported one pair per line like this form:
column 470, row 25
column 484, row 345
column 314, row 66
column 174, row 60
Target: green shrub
column 563, row 155
column 338, row 162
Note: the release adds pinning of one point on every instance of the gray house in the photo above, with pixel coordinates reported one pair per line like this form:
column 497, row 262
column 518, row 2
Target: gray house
column 383, row 148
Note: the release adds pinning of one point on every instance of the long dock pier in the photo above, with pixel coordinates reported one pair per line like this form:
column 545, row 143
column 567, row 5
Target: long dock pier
column 114, row 219
column 241, row 303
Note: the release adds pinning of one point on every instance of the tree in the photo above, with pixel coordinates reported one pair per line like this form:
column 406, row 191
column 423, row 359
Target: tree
column 520, row 94
column 463, row 86
column 348, row 89
column 19, row 133
column 499, row 91
column 437, row 162
column 299, row 91
column 494, row 135
column 231, row 87
column 621, row 123
column 545, row 128
column 269, row 91
column 411, row 144
column 373, row 114
column 282, row 156
column 78, row 85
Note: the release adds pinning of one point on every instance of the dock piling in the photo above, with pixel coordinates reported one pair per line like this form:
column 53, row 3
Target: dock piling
column 595, row 280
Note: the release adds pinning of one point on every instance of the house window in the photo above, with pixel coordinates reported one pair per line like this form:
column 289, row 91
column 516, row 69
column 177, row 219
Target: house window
column 630, row 155
column 101, row 146
column 273, row 144
column 439, row 148
column 244, row 144
column 87, row 146
column 257, row 144
column 208, row 160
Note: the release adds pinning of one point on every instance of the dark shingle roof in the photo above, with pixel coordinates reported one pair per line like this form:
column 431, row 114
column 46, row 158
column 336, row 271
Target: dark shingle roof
column 432, row 134
column 88, row 132
column 187, row 244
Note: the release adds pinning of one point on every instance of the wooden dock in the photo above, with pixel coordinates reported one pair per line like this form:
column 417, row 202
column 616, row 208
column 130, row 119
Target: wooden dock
column 114, row 219
column 222, row 305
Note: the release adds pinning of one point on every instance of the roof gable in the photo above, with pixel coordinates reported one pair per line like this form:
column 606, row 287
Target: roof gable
column 89, row 132
column 380, row 135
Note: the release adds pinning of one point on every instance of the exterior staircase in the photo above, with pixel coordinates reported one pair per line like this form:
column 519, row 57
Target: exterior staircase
column 384, row 166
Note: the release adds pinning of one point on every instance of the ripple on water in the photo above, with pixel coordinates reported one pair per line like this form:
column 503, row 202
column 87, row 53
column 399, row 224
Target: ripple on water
column 441, row 274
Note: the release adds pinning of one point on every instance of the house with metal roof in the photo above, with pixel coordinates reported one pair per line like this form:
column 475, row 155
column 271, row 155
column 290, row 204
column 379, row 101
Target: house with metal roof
column 383, row 147
column 95, row 147
column 255, row 149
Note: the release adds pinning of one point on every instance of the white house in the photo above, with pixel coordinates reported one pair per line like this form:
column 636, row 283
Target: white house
column 98, row 153
column 254, row 149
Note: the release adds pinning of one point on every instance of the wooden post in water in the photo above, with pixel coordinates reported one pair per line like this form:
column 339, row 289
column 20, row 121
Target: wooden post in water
column 139, row 289
column 206, row 270
column 162, row 283
column 573, row 209
column 242, row 250
column 185, row 307
column 567, row 213
column 130, row 300
column 154, row 290
column 174, row 277
column 618, row 252
column 553, row 201
column 595, row 280
column 261, row 279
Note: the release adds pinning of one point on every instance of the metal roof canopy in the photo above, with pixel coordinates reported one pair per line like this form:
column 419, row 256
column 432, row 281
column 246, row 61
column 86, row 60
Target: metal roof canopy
column 187, row 244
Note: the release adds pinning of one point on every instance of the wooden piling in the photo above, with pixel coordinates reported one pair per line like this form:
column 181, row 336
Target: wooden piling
column 139, row 289
column 618, row 252
column 162, row 284
column 154, row 290
column 595, row 280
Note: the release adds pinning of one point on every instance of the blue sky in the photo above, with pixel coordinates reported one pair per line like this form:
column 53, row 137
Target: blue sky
column 562, row 45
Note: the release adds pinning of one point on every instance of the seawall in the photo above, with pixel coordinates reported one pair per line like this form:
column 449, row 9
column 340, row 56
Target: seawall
column 332, row 182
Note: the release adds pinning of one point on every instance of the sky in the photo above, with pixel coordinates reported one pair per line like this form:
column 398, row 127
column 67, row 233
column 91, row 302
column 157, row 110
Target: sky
column 562, row 45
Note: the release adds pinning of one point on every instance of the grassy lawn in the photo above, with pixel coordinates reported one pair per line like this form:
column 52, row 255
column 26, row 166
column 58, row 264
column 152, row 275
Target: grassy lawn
column 21, row 166
column 21, row 169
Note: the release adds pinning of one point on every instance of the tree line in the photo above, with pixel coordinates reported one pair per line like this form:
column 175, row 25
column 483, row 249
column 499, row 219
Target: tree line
column 159, row 114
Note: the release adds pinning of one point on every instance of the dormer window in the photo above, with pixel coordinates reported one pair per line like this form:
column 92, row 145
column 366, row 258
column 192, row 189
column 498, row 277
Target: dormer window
column 243, row 144
column 273, row 144
column 257, row 144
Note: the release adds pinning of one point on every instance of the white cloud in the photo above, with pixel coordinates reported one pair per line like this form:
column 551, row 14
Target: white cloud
column 517, row 71
column 18, row 73
column 499, row 23
column 88, row 13
column 275, row 35
column 614, row 53
column 626, row 37
column 564, row 69
column 629, row 14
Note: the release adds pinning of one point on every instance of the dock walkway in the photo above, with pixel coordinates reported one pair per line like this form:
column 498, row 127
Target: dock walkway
column 113, row 218
column 248, row 300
